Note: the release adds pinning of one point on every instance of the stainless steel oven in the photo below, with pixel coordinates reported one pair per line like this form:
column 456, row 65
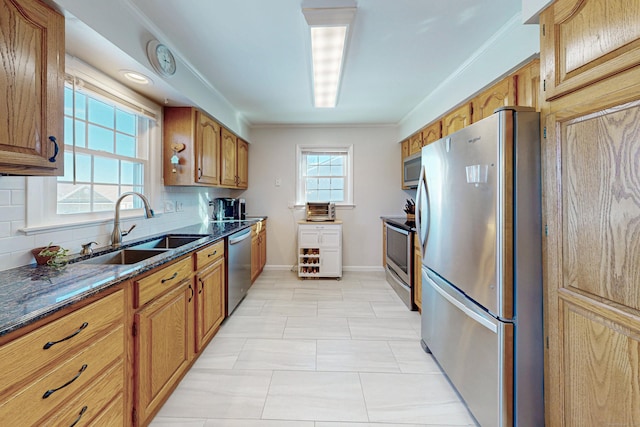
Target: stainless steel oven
column 399, row 257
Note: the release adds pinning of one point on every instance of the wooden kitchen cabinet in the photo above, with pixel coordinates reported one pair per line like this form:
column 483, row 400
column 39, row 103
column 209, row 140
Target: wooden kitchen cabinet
column 590, row 51
column 164, row 337
column 431, row 132
column 32, row 89
column 198, row 135
column 456, row 119
column 415, row 143
column 234, row 161
column 417, row 272
column 66, row 364
column 528, row 85
column 258, row 248
column 501, row 94
column 210, row 292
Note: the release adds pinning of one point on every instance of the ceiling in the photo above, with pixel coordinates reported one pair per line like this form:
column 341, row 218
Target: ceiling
column 255, row 54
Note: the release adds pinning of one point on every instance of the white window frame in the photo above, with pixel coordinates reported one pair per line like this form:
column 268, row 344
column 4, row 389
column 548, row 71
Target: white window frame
column 41, row 194
column 300, row 184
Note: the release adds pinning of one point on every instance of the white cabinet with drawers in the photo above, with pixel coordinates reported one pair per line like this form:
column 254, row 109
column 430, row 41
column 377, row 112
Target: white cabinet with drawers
column 319, row 249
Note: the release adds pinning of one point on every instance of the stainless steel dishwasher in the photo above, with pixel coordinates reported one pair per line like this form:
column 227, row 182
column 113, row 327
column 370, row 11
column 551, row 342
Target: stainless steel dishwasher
column 239, row 268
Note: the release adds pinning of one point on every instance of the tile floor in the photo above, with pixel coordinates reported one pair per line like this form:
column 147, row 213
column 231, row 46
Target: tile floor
column 316, row 353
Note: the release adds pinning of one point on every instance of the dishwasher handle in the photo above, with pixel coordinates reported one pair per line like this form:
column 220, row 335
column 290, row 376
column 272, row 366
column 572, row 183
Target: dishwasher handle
column 239, row 238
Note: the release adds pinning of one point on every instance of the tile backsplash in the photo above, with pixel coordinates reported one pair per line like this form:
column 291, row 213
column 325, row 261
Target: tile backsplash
column 15, row 246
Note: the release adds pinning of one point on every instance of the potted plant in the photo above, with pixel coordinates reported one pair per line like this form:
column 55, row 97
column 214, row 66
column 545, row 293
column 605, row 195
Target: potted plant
column 51, row 255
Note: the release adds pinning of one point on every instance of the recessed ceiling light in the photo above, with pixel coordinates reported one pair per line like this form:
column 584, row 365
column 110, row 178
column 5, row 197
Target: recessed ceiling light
column 136, row 77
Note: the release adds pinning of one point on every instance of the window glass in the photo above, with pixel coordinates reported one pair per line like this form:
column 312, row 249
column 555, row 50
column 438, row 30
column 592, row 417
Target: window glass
column 323, row 176
column 107, row 144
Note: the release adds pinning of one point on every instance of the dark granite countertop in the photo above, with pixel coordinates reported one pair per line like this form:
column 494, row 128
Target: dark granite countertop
column 401, row 222
column 31, row 292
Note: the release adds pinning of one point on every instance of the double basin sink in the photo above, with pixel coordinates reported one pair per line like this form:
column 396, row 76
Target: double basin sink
column 145, row 250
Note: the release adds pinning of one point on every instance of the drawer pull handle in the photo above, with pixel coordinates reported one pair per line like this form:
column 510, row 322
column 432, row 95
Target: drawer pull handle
column 212, row 253
column 52, row 343
column 82, row 411
column 170, row 278
column 53, row 390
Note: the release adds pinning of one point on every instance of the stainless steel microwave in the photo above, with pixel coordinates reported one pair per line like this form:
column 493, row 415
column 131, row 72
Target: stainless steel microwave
column 411, row 170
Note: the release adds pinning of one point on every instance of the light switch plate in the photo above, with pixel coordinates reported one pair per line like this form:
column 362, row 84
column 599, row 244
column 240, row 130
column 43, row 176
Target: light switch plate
column 169, row 206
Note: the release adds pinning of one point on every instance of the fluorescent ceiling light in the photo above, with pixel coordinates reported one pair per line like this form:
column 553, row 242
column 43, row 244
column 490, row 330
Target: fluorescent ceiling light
column 329, row 29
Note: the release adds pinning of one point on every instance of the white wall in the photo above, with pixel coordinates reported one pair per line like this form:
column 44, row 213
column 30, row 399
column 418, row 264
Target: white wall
column 377, row 191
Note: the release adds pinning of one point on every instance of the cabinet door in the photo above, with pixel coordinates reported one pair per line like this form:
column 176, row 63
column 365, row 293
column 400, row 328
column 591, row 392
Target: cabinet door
column 415, row 143
column 431, row 133
column 228, row 171
column 499, row 95
column 163, row 346
column 31, row 89
column 209, row 302
column 586, row 41
column 330, row 239
column 456, row 120
column 404, row 147
column 592, row 259
column 308, row 237
column 243, row 164
column 528, row 85
column 255, row 257
column 417, row 273
column 207, row 148
column 263, row 248
column 330, row 262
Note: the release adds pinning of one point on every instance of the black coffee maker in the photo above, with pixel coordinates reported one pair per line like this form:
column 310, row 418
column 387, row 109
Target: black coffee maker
column 227, row 208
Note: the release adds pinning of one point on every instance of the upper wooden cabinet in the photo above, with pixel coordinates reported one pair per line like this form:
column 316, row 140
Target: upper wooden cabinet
column 528, row 85
column 581, row 46
column 198, row 136
column 415, row 143
column 501, row 94
column 32, row 89
column 234, row 160
column 456, row 119
column 431, row 133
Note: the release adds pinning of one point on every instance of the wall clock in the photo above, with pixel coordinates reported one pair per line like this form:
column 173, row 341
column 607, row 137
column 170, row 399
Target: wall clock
column 161, row 58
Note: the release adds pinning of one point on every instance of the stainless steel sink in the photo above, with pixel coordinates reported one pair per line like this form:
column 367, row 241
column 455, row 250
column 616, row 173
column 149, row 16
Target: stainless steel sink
column 168, row 242
column 125, row 256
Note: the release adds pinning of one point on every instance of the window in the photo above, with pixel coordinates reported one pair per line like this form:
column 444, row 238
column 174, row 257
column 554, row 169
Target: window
column 106, row 153
column 325, row 175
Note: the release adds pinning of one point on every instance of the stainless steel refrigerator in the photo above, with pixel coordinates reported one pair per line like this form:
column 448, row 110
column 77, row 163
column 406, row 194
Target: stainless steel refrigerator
column 479, row 222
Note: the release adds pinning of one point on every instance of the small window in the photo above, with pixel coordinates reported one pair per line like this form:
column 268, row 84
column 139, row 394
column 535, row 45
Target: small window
column 106, row 154
column 325, row 175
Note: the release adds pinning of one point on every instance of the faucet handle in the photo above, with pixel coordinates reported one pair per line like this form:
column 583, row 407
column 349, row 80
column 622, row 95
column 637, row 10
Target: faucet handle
column 126, row 233
column 86, row 248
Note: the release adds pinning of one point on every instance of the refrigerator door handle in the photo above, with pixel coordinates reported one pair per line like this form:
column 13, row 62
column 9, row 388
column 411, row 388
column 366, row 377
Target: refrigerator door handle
column 465, row 306
column 422, row 211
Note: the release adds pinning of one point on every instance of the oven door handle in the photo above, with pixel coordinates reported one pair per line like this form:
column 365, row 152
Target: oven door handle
column 399, row 230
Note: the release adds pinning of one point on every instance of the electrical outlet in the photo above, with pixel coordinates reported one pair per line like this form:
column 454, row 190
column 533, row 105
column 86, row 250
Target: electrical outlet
column 278, row 182
column 169, row 206
column 291, row 205
column 179, row 206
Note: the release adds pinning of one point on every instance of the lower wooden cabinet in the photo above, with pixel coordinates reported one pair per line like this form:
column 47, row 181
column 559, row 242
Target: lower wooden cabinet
column 417, row 272
column 258, row 248
column 164, row 337
column 210, row 302
column 77, row 361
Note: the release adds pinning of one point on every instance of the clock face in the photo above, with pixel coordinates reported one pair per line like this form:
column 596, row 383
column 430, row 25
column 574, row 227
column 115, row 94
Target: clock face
column 161, row 58
column 166, row 60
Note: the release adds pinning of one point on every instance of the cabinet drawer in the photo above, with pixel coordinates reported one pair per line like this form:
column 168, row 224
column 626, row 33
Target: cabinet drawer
column 26, row 355
column 94, row 402
column 209, row 254
column 161, row 281
column 64, row 381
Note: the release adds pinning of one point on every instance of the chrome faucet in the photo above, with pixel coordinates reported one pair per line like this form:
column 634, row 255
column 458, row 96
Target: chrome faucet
column 117, row 234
